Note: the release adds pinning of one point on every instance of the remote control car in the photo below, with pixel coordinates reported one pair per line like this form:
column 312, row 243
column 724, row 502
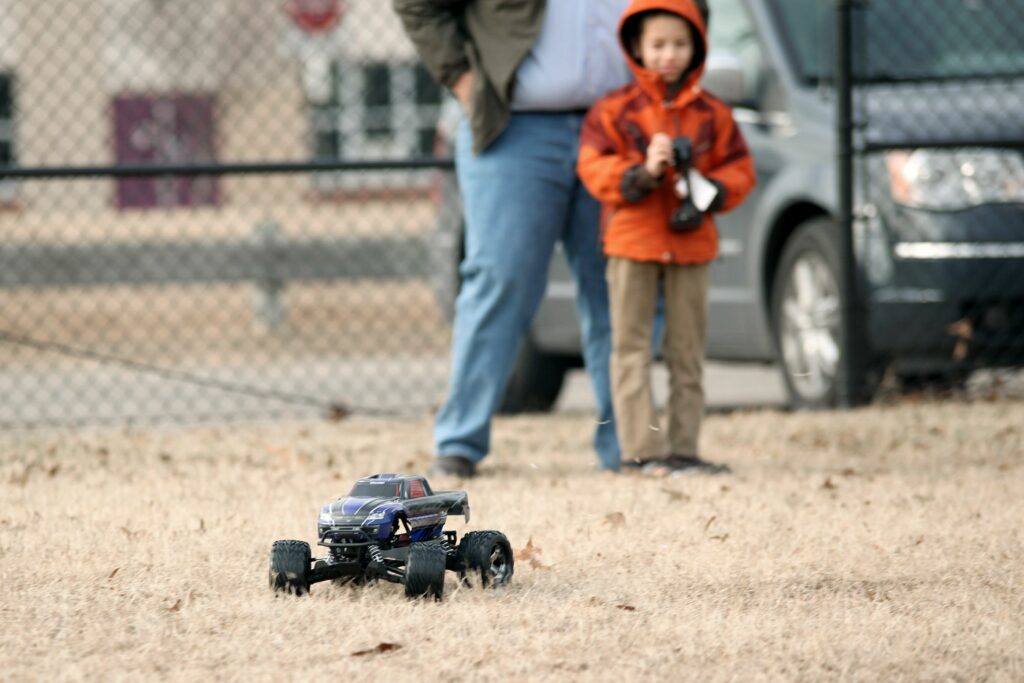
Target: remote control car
column 391, row 527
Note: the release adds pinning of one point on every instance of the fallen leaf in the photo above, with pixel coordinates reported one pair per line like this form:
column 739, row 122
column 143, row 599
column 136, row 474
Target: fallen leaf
column 113, row 573
column 626, row 608
column 961, row 329
column 337, row 412
column 675, row 495
column 381, row 648
column 528, row 552
column 614, row 520
column 723, row 538
column 828, row 484
column 710, row 521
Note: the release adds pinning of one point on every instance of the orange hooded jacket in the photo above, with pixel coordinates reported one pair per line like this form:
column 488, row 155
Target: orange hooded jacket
column 614, row 142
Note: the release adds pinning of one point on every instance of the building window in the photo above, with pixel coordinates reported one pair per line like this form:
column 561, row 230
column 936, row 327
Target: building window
column 377, row 102
column 165, row 130
column 376, row 110
column 7, row 157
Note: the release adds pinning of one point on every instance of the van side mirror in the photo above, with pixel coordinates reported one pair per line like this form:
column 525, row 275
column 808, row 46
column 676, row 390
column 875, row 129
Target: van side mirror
column 723, row 77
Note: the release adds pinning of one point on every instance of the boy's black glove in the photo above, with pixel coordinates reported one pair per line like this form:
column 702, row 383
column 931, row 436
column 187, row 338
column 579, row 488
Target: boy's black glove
column 686, row 217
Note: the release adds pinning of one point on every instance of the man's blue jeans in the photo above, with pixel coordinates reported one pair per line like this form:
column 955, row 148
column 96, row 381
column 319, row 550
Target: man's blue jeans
column 521, row 195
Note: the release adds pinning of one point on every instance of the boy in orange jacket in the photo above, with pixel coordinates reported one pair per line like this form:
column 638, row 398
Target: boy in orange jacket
column 662, row 155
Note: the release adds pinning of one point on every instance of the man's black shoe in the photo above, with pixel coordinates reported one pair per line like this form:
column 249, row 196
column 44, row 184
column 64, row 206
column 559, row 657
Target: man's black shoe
column 685, row 464
column 454, row 466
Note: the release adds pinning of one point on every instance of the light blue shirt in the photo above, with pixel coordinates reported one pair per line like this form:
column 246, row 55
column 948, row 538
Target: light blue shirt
column 576, row 59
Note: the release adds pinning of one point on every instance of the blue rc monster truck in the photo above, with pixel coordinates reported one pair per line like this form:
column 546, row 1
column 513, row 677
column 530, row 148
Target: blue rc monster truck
column 391, row 527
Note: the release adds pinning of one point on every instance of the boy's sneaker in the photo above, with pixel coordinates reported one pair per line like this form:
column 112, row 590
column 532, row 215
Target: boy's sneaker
column 635, row 464
column 453, row 466
column 674, row 465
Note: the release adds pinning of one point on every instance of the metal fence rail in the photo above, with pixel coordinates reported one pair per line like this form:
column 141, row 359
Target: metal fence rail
column 264, row 259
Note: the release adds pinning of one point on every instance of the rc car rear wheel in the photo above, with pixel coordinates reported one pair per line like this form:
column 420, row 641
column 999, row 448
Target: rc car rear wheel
column 485, row 556
column 424, row 571
column 289, row 567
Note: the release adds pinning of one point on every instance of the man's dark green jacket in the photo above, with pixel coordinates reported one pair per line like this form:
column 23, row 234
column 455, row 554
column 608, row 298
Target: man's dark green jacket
column 491, row 37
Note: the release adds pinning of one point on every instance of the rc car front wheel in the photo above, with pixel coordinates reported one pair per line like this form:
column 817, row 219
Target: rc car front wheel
column 485, row 556
column 289, row 567
column 424, row 571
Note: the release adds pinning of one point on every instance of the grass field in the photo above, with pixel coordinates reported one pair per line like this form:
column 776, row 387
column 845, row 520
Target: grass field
column 877, row 544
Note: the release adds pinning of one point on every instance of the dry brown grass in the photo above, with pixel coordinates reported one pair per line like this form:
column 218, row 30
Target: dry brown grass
column 879, row 544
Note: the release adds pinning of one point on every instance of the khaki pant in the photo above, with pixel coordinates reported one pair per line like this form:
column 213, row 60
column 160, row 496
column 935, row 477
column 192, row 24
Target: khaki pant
column 632, row 290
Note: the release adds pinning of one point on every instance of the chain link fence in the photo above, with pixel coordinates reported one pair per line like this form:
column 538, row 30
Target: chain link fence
column 939, row 114
column 217, row 210
column 229, row 209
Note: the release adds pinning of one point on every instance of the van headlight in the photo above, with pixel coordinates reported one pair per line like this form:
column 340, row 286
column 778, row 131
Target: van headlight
column 953, row 179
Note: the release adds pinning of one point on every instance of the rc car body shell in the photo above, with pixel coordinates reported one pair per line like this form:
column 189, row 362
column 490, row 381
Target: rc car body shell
column 380, row 506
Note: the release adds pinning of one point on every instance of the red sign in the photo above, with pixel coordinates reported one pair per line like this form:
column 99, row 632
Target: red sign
column 315, row 16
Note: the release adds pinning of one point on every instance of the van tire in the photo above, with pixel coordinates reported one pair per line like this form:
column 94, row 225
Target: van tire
column 806, row 319
column 536, row 380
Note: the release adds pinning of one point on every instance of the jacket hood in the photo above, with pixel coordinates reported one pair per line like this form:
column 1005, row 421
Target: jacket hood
column 629, row 30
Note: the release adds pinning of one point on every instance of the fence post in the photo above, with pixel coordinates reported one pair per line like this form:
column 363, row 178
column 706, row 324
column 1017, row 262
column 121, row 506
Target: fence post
column 852, row 334
column 269, row 294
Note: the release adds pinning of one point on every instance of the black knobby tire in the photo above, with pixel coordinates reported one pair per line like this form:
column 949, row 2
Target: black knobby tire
column 424, row 571
column 485, row 557
column 289, row 567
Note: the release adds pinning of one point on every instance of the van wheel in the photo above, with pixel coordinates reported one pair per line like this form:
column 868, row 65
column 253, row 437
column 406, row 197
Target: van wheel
column 536, row 380
column 806, row 317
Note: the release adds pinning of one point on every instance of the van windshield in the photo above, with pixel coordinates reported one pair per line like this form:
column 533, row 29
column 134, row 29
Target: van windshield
column 908, row 40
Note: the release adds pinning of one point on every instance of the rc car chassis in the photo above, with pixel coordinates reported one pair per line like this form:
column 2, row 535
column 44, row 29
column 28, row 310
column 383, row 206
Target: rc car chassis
column 391, row 527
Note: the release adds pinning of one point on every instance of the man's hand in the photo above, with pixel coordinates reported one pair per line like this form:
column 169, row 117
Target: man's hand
column 463, row 90
column 659, row 155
